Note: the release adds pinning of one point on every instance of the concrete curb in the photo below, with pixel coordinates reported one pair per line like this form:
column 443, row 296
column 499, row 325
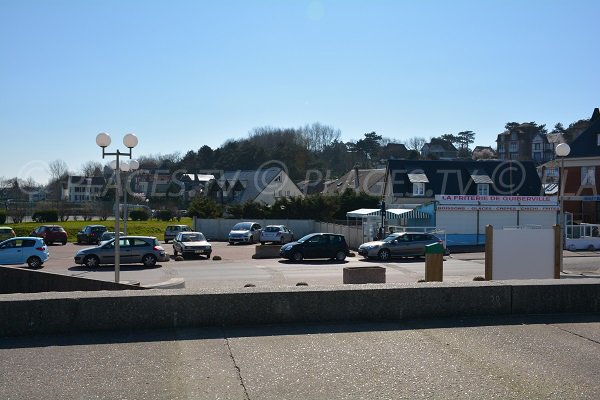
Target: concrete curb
column 43, row 313
column 173, row 283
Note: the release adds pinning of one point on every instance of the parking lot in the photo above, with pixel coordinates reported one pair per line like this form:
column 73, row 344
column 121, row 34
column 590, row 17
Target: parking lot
column 237, row 268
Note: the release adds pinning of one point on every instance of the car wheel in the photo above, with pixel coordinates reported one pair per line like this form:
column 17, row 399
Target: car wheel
column 34, row 262
column 149, row 260
column 91, row 261
column 384, row 255
column 298, row 256
column 64, row 243
column 231, row 243
column 251, row 239
column 78, row 241
column 208, row 256
column 263, row 243
column 174, row 252
column 340, row 256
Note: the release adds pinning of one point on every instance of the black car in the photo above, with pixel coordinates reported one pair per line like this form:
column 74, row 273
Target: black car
column 91, row 234
column 316, row 245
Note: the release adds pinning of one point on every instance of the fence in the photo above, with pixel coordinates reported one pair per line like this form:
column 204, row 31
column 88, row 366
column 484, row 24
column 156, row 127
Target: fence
column 218, row 229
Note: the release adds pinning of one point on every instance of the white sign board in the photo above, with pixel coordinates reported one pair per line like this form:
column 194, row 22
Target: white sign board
column 523, row 254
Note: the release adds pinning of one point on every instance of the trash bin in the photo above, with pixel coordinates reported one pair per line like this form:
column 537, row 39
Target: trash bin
column 434, row 260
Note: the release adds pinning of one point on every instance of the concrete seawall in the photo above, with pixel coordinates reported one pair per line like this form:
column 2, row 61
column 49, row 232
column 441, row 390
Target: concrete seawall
column 40, row 313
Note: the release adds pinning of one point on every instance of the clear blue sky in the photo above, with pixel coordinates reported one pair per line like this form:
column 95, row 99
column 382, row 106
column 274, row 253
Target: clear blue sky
column 183, row 74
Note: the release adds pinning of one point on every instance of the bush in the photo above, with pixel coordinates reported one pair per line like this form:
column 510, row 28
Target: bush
column 164, row 215
column 2, row 217
column 45, row 216
column 139, row 215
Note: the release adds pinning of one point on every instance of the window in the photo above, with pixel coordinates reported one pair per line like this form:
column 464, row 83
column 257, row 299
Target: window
column 537, row 146
column 588, row 176
column 513, row 146
column 483, row 189
column 418, row 189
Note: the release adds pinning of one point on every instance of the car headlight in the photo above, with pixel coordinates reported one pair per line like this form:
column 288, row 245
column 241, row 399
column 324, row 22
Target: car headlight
column 371, row 247
column 287, row 247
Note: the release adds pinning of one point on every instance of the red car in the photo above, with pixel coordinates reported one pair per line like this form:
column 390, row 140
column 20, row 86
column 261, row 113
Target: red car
column 51, row 234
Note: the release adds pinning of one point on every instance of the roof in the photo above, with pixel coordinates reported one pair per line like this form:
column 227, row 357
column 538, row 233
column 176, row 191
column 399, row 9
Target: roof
column 460, row 177
column 251, row 182
column 370, row 181
column 394, row 213
column 586, row 144
column 87, row 180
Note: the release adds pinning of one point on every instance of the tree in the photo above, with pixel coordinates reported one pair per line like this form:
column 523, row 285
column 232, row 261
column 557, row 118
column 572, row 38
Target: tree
column 204, row 207
column 91, row 168
column 465, row 138
column 484, row 154
column 318, row 136
column 415, row 143
column 369, row 147
column 58, row 169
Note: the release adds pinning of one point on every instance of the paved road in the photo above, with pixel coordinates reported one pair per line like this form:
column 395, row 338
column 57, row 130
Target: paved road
column 237, row 268
column 511, row 358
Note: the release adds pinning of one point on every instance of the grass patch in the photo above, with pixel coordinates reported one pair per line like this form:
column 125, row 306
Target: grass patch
column 141, row 228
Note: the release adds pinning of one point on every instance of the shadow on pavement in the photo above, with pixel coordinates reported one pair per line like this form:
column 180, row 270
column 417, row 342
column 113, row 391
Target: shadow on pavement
column 312, row 262
column 124, row 267
column 202, row 333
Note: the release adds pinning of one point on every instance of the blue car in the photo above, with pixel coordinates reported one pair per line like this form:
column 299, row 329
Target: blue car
column 24, row 250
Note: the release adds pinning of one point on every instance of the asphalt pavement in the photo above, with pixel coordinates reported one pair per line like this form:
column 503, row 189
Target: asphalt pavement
column 549, row 357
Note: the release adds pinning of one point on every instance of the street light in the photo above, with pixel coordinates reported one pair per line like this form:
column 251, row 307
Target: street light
column 130, row 141
column 562, row 150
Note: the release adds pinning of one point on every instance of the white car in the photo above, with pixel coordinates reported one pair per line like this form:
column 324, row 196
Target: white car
column 21, row 250
column 245, row 232
column 276, row 234
column 191, row 244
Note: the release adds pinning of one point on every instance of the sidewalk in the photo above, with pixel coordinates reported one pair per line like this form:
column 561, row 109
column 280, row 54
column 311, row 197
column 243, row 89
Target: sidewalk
column 552, row 357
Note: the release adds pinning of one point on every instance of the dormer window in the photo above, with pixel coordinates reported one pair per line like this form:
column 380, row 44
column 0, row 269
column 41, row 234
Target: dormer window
column 418, row 189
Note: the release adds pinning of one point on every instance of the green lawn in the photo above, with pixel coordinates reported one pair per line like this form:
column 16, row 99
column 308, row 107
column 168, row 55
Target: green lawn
column 142, row 228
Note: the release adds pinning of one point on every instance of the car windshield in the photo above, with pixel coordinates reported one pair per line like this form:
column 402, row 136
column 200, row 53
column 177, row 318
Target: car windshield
column 242, row 226
column 272, row 229
column 195, row 237
column 305, row 238
column 391, row 238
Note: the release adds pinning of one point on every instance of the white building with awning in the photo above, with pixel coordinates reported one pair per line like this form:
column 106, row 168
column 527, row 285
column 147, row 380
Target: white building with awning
column 371, row 219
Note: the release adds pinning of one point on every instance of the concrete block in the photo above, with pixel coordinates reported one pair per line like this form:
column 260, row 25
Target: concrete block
column 357, row 275
column 267, row 251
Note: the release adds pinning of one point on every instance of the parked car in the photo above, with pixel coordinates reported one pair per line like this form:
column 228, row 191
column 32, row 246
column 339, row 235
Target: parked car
column 21, row 250
column 91, row 234
column 172, row 230
column 403, row 244
column 108, row 235
column 50, row 234
column 133, row 249
column 276, row 234
column 245, row 232
column 6, row 232
column 191, row 243
column 316, row 245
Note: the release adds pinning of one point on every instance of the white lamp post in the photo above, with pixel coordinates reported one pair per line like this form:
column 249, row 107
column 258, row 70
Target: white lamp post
column 562, row 150
column 130, row 141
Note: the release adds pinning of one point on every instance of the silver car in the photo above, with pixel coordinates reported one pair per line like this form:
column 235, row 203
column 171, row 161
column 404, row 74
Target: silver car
column 404, row 244
column 133, row 249
column 276, row 234
column 191, row 244
column 245, row 232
